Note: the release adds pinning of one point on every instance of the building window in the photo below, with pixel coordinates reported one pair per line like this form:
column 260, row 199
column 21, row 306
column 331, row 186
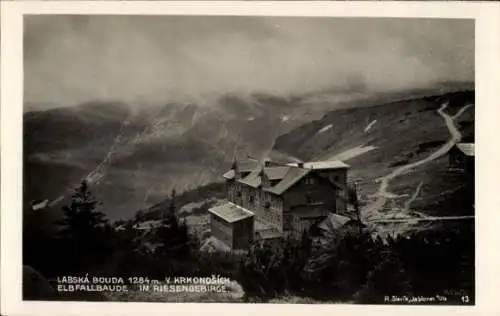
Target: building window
column 309, row 198
column 251, row 199
column 238, row 194
column 309, row 181
column 340, row 193
column 267, row 204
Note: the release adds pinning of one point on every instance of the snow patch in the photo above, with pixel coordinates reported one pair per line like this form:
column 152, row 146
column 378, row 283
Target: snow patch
column 325, row 128
column 285, row 118
column 369, row 126
column 59, row 199
column 40, row 205
column 353, row 152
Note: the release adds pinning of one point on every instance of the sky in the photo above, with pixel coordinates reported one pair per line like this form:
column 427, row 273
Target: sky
column 69, row 60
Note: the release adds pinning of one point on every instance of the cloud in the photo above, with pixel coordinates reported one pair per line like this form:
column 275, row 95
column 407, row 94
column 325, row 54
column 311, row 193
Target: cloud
column 157, row 59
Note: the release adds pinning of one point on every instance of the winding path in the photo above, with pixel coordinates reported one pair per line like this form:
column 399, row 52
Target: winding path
column 412, row 198
column 372, row 213
column 423, row 219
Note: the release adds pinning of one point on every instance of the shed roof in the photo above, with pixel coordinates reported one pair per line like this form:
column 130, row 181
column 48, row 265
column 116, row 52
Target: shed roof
column 230, row 212
column 466, row 148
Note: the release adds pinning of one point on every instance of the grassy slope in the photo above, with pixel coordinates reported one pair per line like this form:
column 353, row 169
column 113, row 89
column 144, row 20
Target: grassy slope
column 404, row 132
column 144, row 173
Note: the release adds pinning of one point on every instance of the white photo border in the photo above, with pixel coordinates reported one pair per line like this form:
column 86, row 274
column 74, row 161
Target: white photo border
column 487, row 72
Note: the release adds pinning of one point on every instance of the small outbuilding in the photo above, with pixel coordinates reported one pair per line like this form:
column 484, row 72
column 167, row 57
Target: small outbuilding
column 233, row 225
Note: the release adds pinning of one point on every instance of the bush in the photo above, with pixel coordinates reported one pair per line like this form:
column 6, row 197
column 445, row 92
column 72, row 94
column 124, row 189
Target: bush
column 355, row 266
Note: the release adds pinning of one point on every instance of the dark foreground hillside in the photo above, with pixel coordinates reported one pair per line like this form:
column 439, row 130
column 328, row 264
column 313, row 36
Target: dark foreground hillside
column 430, row 267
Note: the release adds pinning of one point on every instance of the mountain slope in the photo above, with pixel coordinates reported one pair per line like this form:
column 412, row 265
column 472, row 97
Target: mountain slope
column 378, row 140
column 134, row 155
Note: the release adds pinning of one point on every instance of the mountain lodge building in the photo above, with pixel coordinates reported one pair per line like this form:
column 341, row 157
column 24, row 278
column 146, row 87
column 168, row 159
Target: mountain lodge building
column 269, row 202
column 461, row 157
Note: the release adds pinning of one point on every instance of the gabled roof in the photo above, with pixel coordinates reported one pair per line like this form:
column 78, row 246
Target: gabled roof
column 286, row 175
column 273, row 173
column 466, row 148
column 243, row 166
column 322, row 165
column 253, row 179
column 266, row 231
column 292, row 176
column 270, row 233
column 334, row 221
column 276, row 173
column 247, row 165
column 230, row 212
column 229, row 174
column 213, row 244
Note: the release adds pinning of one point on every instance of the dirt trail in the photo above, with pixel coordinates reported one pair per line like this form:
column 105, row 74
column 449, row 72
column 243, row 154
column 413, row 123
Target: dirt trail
column 424, row 219
column 374, row 213
column 412, row 198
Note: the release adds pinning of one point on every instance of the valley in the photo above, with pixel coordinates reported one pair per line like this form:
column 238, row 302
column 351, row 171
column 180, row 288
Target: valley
column 134, row 158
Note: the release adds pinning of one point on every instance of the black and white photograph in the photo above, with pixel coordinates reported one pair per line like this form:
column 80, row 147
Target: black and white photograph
column 248, row 159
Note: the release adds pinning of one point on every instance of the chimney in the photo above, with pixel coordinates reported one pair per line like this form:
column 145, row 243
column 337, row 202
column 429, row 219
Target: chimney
column 267, row 162
column 264, row 180
column 236, row 169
